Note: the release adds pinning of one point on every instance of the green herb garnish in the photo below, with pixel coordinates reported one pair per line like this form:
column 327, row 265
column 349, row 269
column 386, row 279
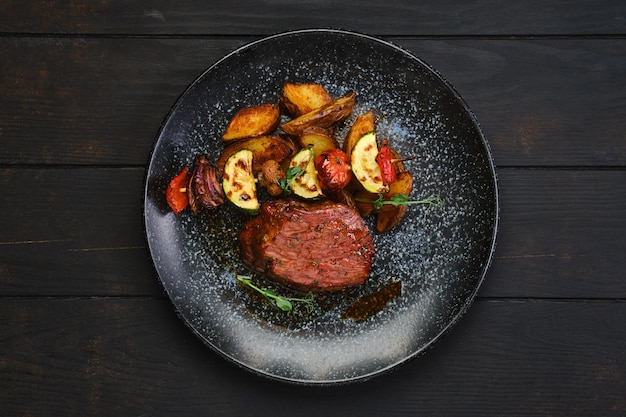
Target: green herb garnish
column 283, row 303
column 403, row 200
column 291, row 174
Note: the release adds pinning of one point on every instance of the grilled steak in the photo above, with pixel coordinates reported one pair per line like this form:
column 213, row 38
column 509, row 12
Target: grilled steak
column 320, row 246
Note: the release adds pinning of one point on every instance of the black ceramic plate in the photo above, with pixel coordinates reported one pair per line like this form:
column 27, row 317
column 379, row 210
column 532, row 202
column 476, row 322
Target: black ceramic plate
column 440, row 256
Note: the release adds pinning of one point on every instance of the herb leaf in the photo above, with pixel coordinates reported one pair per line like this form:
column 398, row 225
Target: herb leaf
column 283, row 303
column 291, row 174
column 403, row 200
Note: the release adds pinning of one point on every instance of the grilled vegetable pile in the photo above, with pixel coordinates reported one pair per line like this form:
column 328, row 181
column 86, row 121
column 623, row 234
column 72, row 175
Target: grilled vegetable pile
column 300, row 157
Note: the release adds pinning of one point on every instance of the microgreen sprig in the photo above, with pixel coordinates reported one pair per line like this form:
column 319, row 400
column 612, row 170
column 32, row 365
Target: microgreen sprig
column 283, row 303
column 403, row 200
column 291, row 174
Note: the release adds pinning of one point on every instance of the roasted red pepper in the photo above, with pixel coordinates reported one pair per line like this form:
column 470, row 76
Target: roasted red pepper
column 384, row 160
column 176, row 193
column 333, row 169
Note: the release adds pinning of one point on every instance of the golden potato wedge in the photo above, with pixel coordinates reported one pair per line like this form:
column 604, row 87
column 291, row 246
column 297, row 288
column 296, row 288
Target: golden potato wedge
column 363, row 124
column 325, row 116
column 263, row 149
column 252, row 122
column 299, row 99
column 398, row 161
column 318, row 139
column 402, row 185
column 364, row 208
column 387, row 220
column 328, row 131
column 389, row 216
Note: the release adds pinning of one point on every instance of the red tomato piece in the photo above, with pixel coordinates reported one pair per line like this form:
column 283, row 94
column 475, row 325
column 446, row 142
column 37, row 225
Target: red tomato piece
column 176, row 193
column 333, row 169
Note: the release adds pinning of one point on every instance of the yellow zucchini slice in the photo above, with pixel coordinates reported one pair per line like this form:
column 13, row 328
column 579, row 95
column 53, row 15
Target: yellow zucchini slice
column 306, row 184
column 238, row 182
column 364, row 165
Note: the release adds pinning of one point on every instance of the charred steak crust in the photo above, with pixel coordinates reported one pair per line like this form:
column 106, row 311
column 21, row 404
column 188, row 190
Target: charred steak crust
column 309, row 246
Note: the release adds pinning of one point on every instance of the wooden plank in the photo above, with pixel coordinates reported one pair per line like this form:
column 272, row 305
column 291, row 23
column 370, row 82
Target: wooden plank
column 104, row 101
column 543, row 103
column 83, row 234
column 117, row 356
column 561, row 235
column 447, row 17
column 74, row 231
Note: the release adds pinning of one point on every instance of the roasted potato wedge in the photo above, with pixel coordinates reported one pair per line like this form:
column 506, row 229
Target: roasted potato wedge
column 387, row 220
column 328, row 131
column 252, row 122
column 299, row 99
column 389, row 216
column 318, row 139
column 325, row 116
column 363, row 124
column 263, row 149
column 398, row 163
column 365, row 209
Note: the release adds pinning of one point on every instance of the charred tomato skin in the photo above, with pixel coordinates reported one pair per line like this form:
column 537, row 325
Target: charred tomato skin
column 333, row 169
column 176, row 194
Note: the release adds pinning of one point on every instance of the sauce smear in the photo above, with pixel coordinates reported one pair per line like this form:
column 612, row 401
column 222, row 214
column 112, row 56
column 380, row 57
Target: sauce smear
column 370, row 304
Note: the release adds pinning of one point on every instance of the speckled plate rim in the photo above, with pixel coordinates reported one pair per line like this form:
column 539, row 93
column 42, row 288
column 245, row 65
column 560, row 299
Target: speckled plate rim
column 468, row 300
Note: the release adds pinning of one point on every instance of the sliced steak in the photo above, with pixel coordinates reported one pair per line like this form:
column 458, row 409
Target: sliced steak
column 319, row 246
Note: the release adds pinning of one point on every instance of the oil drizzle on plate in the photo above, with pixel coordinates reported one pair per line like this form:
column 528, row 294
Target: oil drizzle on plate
column 370, row 304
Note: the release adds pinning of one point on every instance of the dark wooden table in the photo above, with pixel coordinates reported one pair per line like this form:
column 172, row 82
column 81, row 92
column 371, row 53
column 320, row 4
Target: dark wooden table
column 85, row 327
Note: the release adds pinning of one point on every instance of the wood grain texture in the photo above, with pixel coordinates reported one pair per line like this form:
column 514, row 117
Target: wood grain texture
column 86, row 328
column 443, row 17
column 561, row 234
column 85, row 234
column 76, row 357
column 74, row 232
column 544, row 102
column 101, row 101
column 82, row 101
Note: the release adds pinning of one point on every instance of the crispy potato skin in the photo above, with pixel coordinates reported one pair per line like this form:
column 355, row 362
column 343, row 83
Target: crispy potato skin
column 252, row 122
column 325, row 116
column 299, row 99
column 365, row 209
column 318, row 139
column 389, row 216
column 363, row 124
column 263, row 149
